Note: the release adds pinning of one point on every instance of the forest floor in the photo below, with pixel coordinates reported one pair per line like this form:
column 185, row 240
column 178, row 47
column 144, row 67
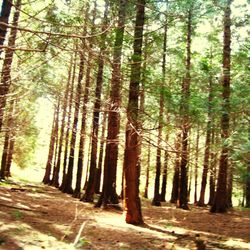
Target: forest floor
column 34, row 216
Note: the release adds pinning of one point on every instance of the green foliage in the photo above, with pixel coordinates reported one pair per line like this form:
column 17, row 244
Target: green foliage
column 82, row 243
column 17, row 214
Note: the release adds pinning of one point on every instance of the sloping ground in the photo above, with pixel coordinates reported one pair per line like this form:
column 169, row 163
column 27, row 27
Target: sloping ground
column 41, row 217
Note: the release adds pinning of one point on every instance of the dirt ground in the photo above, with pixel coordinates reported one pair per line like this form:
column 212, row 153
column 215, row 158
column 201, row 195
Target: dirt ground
column 34, row 216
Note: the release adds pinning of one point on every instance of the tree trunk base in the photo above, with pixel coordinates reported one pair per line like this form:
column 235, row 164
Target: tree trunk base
column 156, row 203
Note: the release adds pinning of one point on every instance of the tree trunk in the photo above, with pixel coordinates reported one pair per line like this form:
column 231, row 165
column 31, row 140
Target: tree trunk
column 10, row 154
column 4, row 18
column 131, row 167
column 183, row 191
column 147, row 171
column 46, row 178
column 100, row 160
column 196, row 164
column 176, row 178
column 6, row 70
column 165, row 165
column 55, row 180
column 56, row 140
column 90, row 190
column 7, row 140
column 230, row 185
column 165, row 172
column 201, row 201
column 157, row 197
column 213, row 164
column 109, row 195
column 220, row 204
column 68, row 125
column 68, row 180
column 247, row 189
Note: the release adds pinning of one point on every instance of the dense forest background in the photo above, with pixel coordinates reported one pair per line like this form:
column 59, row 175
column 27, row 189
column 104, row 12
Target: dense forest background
column 128, row 98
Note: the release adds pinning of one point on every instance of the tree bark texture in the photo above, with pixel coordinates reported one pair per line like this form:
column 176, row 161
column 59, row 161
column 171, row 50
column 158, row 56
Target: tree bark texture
column 68, row 126
column 109, row 195
column 8, row 58
column 220, row 204
column 183, row 191
column 201, row 201
column 55, row 180
column 131, row 159
column 176, row 178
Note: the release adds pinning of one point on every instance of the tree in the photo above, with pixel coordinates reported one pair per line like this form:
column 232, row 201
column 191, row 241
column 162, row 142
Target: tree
column 55, row 180
column 131, row 158
column 7, row 142
column 4, row 19
column 109, row 195
column 220, row 204
column 46, row 178
column 183, row 191
column 8, row 58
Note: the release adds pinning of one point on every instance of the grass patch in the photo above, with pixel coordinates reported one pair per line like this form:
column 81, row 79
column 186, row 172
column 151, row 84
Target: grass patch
column 82, row 243
column 17, row 214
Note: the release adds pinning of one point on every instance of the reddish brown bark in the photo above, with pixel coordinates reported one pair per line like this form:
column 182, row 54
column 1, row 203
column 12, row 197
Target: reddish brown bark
column 183, row 190
column 196, row 164
column 131, row 159
column 90, row 190
column 7, row 140
column 109, row 195
column 8, row 58
column 147, row 171
column 157, row 197
column 220, row 204
column 68, row 180
column 165, row 165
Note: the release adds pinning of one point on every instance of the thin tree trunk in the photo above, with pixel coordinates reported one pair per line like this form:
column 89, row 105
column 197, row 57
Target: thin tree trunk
column 247, row 189
column 183, row 191
column 157, row 197
column 55, row 180
column 147, row 171
column 56, row 140
column 201, row 201
column 101, row 151
column 109, row 195
column 46, row 178
column 220, row 202
column 165, row 165
column 230, row 185
column 4, row 18
column 176, row 178
column 68, row 180
column 196, row 164
column 7, row 141
column 165, row 170
column 67, row 136
column 90, row 190
column 131, row 167
column 6, row 70
column 10, row 154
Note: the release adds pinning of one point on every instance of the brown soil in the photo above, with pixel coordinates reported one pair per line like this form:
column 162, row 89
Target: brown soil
column 41, row 217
